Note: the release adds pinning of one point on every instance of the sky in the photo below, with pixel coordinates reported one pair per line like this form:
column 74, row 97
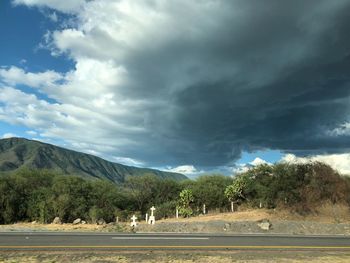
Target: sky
column 189, row 86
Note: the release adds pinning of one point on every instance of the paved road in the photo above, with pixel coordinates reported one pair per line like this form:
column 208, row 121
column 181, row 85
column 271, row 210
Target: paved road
column 59, row 241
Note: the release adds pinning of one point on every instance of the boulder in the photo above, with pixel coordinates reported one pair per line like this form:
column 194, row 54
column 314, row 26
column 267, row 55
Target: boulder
column 77, row 221
column 265, row 225
column 101, row 221
column 56, row 220
column 83, row 222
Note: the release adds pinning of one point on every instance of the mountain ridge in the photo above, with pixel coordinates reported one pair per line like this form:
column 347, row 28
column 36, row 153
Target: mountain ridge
column 17, row 153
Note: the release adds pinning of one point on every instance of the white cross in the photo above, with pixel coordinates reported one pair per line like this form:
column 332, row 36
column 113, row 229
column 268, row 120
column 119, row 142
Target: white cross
column 152, row 209
column 133, row 223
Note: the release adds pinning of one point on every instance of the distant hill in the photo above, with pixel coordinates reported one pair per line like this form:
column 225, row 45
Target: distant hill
column 17, row 153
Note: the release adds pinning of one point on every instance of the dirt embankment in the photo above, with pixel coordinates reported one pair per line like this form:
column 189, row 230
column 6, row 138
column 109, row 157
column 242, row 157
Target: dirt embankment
column 328, row 220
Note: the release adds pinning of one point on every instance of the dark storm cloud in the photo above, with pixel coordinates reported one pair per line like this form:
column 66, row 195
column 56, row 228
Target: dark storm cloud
column 276, row 77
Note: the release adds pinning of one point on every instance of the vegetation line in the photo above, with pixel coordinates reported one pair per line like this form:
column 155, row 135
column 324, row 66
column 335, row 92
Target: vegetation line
column 41, row 195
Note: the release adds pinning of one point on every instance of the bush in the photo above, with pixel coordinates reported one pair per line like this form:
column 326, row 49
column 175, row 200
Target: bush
column 166, row 210
column 302, row 186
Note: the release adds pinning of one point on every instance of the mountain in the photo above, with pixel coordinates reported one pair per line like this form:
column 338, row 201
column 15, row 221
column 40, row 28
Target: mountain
column 17, row 153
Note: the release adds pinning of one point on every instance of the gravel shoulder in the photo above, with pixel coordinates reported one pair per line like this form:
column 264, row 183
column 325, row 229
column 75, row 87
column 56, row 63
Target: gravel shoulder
column 328, row 220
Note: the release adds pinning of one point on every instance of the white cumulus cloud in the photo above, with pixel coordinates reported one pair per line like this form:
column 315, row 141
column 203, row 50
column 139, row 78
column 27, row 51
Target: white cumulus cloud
column 343, row 129
column 244, row 167
column 259, row 161
column 339, row 162
column 184, row 169
column 70, row 6
column 8, row 135
column 128, row 161
column 32, row 133
column 14, row 76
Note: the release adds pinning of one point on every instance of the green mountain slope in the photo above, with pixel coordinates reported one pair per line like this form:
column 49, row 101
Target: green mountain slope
column 17, row 153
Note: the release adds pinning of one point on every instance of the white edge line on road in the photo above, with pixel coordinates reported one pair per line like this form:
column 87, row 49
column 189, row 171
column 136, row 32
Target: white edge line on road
column 166, row 238
column 54, row 233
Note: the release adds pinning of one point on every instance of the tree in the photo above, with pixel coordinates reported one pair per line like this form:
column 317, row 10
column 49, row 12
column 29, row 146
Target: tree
column 40, row 205
column 186, row 198
column 235, row 192
column 209, row 190
column 259, row 186
column 142, row 189
column 166, row 190
column 71, row 197
column 105, row 199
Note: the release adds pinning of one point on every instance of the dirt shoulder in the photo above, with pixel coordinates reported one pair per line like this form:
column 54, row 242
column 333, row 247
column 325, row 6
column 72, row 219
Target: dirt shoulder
column 120, row 227
column 177, row 257
column 329, row 220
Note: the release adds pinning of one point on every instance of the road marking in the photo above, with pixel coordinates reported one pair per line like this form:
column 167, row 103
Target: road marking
column 166, row 238
column 182, row 247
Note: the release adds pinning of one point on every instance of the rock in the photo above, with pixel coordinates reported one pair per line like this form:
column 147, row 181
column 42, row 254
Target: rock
column 265, row 225
column 112, row 224
column 34, row 222
column 77, row 221
column 101, row 221
column 57, row 220
column 83, row 222
column 226, row 227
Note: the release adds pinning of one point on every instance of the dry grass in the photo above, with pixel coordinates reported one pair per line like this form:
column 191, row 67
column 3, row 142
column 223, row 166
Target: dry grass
column 327, row 213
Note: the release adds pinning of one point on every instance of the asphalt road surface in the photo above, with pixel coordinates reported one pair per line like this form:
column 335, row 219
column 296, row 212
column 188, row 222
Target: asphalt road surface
column 114, row 241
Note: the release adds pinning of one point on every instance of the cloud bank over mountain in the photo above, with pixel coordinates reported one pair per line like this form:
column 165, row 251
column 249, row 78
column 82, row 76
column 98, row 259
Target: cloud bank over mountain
column 190, row 82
